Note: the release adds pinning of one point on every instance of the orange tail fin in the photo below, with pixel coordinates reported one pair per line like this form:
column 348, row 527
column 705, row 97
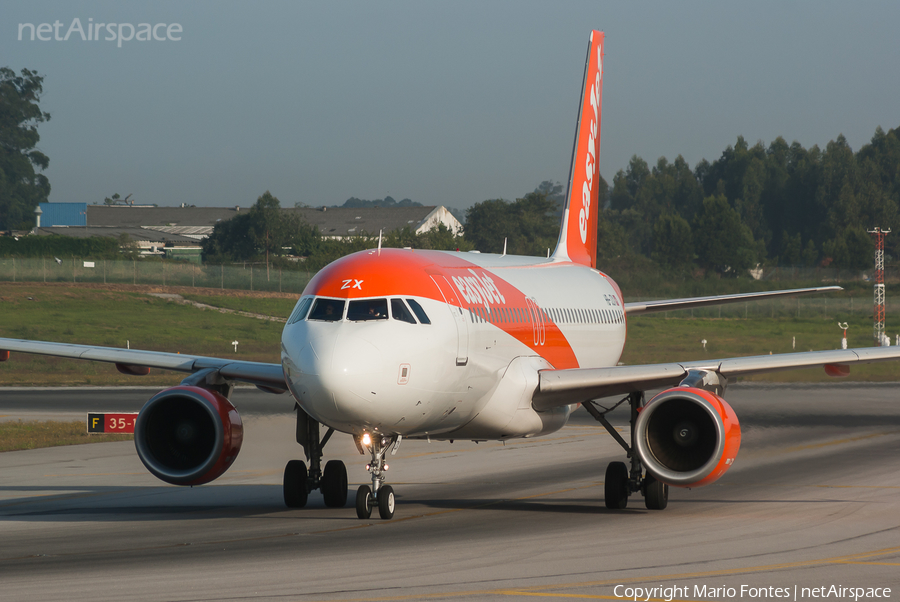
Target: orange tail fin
column 578, row 235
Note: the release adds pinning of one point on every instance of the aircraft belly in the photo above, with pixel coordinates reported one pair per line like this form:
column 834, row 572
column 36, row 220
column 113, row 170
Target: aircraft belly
column 505, row 412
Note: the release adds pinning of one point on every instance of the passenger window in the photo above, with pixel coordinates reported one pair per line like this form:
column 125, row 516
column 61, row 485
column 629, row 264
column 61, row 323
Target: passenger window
column 420, row 313
column 328, row 310
column 300, row 310
column 399, row 311
column 367, row 309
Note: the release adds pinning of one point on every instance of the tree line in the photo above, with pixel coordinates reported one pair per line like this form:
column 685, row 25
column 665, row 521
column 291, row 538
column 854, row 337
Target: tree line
column 780, row 204
column 776, row 205
column 754, row 205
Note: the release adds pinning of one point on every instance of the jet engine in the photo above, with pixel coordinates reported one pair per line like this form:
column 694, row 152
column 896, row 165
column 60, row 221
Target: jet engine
column 187, row 435
column 687, row 437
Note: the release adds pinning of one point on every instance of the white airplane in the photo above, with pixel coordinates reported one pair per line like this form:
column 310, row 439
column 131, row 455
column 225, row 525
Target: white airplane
column 392, row 344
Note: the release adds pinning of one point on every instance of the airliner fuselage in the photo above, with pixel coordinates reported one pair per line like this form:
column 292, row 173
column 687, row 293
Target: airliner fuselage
column 388, row 344
column 449, row 350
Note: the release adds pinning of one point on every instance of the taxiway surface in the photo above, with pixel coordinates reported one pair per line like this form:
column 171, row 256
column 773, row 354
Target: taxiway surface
column 813, row 500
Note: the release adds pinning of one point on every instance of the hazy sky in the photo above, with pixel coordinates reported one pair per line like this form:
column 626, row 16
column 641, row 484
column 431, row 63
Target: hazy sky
column 442, row 102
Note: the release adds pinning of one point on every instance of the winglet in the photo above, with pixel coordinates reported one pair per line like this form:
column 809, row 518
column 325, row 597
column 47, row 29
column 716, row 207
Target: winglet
column 578, row 234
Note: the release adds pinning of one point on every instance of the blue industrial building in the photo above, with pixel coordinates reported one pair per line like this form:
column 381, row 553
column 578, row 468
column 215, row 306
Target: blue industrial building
column 63, row 214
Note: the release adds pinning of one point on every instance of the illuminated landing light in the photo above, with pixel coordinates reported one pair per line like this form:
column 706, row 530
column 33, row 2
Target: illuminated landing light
column 366, row 439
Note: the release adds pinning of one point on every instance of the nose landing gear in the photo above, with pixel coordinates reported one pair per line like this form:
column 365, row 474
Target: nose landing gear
column 378, row 495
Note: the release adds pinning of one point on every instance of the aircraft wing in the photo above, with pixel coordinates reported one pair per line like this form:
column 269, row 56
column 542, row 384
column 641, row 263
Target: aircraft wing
column 256, row 373
column 563, row 387
column 643, row 307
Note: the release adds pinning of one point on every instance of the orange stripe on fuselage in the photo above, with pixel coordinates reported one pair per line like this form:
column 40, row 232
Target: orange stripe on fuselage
column 406, row 272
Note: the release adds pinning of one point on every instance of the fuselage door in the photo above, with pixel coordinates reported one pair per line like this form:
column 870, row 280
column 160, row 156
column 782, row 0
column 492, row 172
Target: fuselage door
column 451, row 298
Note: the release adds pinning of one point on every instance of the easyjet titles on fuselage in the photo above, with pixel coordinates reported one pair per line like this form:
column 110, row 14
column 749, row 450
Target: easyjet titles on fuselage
column 478, row 289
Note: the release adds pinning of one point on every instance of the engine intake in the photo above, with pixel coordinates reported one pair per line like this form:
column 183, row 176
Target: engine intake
column 687, row 437
column 188, row 435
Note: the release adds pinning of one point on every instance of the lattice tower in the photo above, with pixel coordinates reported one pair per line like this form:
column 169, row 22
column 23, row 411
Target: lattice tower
column 878, row 331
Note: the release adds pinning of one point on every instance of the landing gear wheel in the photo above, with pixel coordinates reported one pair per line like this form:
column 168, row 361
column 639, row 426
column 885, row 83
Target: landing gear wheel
column 364, row 502
column 656, row 494
column 386, row 502
column 334, row 484
column 615, row 489
column 295, row 487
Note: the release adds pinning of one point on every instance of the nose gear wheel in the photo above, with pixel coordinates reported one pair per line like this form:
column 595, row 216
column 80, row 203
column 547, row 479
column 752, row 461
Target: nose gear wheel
column 364, row 502
column 378, row 495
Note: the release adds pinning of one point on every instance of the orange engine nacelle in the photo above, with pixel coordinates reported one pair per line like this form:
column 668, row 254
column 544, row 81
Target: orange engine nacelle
column 188, row 435
column 687, row 437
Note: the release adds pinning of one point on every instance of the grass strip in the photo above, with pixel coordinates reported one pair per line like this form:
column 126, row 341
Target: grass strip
column 279, row 308
column 33, row 435
column 119, row 319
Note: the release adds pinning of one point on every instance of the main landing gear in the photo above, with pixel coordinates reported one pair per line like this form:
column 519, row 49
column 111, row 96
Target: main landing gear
column 619, row 482
column 378, row 495
column 299, row 482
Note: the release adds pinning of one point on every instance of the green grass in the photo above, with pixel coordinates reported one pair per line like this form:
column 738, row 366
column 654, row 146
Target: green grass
column 34, row 435
column 110, row 318
column 655, row 339
column 266, row 306
column 115, row 319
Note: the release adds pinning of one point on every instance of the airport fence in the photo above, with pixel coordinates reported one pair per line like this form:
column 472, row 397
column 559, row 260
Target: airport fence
column 255, row 277
column 248, row 276
column 841, row 307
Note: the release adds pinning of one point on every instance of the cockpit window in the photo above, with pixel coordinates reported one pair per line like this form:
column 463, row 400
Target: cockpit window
column 300, row 310
column 367, row 309
column 420, row 313
column 328, row 310
column 399, row 311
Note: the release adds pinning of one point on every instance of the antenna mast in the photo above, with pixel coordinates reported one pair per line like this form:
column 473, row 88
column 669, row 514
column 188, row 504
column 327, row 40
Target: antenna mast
column 879, row 286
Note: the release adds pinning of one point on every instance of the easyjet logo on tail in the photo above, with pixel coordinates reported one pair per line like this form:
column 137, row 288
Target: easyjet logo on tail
column 584, row 215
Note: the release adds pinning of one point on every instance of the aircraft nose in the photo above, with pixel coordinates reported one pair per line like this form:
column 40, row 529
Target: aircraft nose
column 334, row 375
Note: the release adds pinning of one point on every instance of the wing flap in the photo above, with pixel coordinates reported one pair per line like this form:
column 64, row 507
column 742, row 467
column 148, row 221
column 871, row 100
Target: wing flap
column 256, row 373
column 564, row 387
column 643, row 307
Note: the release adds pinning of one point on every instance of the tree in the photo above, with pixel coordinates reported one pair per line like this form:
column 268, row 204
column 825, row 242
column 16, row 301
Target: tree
column 556, row 194
column 853, row 249
column 21, row 188
column 439, row 237
column 528, row 225
column 442, row 238
column 115, row 199
column 723, row 243
column 488, row 223
column 265, row 231
column 672, row 244
column 627, row 184
column 791, row 249
column 387, row 201
column 810, row 254
column 612, row 241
